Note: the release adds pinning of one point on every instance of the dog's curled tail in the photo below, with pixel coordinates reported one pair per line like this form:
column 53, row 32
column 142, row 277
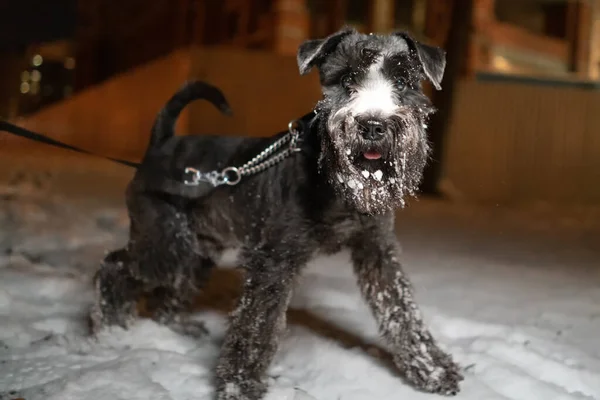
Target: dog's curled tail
column 164, row 125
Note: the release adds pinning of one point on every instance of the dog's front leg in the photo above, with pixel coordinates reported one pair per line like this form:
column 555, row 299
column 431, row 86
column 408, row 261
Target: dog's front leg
column 255, row 326
column 389, row 294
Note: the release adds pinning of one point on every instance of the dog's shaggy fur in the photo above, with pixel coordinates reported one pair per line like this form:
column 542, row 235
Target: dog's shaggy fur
column 363, row 152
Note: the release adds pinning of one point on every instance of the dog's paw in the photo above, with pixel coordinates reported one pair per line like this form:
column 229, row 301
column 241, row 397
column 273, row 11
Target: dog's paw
column 101, row 318
column 231, row 391
column 440, row 375
column 190, row 328
column 248, row 390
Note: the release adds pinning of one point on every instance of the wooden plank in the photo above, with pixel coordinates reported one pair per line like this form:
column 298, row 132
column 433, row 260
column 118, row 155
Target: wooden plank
column 244, row 14
column 437, row 20
column 489, row 32
column 594, row 61
column 181, row 9
column 483, row 18
column 579, row 35
column 291, row 25
column 456, row 45
column 337, row 14
column 483, row 14
column 499, row 33
column 198, row 22
column 419, row 16
column 381, row 16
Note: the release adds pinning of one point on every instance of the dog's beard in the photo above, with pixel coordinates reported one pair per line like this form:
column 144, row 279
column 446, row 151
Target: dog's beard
column 374, row 186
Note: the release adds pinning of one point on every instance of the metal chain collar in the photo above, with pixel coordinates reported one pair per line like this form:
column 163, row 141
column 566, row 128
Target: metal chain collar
column 266, row 159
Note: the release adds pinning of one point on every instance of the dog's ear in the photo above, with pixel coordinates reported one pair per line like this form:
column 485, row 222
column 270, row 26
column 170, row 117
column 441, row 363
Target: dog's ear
column 433, row 59
column 312, row 52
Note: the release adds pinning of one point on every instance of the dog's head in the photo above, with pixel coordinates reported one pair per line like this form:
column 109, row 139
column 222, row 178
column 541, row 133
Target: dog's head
column 373, row 113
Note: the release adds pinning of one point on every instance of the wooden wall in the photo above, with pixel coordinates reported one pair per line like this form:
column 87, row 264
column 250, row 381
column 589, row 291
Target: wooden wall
column 522, row 143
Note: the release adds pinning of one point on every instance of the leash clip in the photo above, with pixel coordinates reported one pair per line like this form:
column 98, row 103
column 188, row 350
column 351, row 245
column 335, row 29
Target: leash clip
column 197, row 177
column 229, row 176
column 294, row 128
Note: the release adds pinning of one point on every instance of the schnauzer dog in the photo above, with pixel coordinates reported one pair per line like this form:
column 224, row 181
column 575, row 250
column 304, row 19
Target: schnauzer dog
column 362, row 151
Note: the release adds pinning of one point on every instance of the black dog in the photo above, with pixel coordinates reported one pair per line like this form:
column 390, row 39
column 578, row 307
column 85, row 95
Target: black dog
column 362, row 152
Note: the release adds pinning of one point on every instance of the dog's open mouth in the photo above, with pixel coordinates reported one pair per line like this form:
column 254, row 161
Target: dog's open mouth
column 372, row 155
column 368, row 158
column 371, row 163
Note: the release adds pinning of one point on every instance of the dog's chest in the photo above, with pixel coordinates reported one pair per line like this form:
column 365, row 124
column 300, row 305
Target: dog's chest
column 335, row 232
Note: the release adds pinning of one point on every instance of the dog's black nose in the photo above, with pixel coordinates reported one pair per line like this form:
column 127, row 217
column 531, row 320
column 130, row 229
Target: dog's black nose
column 372, row 129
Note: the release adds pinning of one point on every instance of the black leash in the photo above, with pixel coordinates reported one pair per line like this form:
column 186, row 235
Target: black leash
column 230, row 175
column 37, row 137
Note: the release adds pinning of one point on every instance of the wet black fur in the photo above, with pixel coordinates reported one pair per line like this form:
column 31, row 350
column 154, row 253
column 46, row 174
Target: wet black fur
column 279, row 219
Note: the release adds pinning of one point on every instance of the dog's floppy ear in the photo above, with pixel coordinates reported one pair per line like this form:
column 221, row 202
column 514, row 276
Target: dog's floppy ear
column 433, row 59
column 312, row 52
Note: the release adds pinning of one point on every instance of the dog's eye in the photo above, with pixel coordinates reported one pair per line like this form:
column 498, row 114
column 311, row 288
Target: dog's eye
column 347, row 81
column 368, row 54
column 401, row 84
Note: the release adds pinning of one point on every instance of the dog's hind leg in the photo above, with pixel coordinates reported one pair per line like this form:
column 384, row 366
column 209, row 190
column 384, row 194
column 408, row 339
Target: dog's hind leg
column 117, row 292
column 172, row 260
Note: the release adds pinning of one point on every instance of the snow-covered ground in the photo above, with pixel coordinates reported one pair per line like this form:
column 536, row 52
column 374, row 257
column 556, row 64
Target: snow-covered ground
column 515, row 297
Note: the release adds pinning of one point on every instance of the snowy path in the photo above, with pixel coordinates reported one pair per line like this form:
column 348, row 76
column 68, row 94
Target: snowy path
column 524, row 319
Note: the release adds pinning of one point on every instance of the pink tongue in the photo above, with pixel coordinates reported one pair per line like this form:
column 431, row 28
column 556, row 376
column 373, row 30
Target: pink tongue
column 372, row 155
